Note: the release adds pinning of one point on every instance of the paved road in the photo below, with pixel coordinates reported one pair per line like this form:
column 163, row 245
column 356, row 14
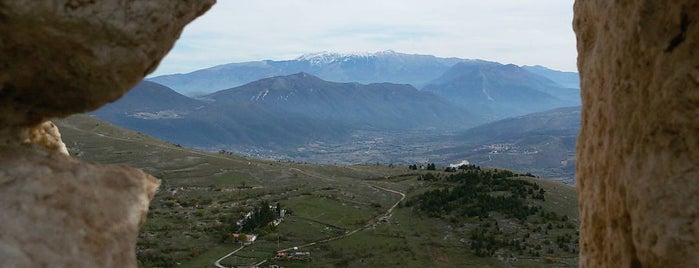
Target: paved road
column 218, row 262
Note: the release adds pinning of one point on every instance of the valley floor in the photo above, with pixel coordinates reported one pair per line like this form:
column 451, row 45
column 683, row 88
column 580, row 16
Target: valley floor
column 344, row 216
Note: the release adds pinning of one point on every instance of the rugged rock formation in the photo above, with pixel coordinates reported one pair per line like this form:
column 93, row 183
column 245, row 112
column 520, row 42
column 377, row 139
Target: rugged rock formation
column 70, row 56
column 59, row 212
column 638, row 150
column 45, row 135
column 59, row 57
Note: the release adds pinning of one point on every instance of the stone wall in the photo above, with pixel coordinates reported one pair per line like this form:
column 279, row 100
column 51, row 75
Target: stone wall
column 638, row 149
column 59, row 57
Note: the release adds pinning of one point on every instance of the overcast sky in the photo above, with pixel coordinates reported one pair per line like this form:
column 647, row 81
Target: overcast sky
column 523, row 32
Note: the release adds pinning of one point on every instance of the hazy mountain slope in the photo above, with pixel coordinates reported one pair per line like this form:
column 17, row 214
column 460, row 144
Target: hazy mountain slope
column 499, row 90
column 565, row 79
column 565, row 121
column 380, row 105
column 284, row 112
column 541, row 143
column 149, row 97
column 205, row 81
column 386, row 66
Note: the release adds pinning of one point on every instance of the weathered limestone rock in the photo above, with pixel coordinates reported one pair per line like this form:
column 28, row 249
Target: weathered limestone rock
column 59, row 212
column 45, row 135
column 61, row 57
column 638, row 149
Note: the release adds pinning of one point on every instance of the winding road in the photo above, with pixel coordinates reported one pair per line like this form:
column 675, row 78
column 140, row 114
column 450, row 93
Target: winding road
column 371, row 223
column 218, row 262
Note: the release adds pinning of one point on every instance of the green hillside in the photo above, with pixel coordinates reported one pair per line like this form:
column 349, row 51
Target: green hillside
column 345, row 216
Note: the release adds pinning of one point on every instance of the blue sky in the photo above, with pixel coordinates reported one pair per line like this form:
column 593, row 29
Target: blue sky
column 527, row 32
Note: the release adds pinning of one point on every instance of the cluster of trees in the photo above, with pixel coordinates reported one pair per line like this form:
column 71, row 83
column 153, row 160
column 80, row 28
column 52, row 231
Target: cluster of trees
column 472, row 196
column 261, row 217
column 430, row 166
column 469, row 191
column 462, row 167
column 564, row 240
column 486, row 239
column 484, row 242
column 471, row 202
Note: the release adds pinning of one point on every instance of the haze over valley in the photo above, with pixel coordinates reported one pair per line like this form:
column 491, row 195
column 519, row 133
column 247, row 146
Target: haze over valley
column 221, row 210
column 383, row 107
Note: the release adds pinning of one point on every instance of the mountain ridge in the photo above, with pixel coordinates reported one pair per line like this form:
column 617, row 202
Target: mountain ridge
column 566, row 79
column 500, row 89
column 365, row 68
column 542, row 143
column 288, row 111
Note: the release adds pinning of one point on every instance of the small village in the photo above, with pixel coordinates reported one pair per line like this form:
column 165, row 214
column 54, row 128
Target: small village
column 506, row 148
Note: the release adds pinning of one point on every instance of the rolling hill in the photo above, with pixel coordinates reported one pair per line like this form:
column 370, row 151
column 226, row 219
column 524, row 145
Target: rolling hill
column 345, row 216
column 148, row 100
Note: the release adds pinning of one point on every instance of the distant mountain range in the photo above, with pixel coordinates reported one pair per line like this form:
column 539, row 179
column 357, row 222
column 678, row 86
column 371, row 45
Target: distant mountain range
column 485, row 88
column 289, row 110
column 281, row 112
column 385, row 66
column 501, row 90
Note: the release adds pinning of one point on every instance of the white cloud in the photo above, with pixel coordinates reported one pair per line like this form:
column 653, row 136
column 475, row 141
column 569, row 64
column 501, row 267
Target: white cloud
column 509, row 31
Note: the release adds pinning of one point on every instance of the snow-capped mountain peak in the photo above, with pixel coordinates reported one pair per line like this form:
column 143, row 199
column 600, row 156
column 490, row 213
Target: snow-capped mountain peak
column 324, row 57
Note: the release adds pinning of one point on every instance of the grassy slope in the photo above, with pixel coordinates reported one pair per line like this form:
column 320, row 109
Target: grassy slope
column 199, row 190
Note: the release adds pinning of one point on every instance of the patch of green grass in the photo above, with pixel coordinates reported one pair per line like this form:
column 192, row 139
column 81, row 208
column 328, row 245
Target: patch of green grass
column 202, row 194
column 329, row 211
column 205, row 258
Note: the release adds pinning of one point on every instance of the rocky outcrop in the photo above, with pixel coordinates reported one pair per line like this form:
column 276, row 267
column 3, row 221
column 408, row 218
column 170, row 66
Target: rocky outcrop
column 69, row 56
column 638, row 149
column 57, row 58
column 44, row 135
column 59, row 212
